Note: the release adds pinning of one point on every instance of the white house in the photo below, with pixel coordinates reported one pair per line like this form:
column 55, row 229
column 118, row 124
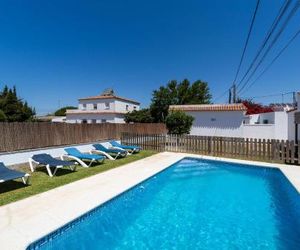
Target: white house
column 230, row 120
column 297, row 117
column 271, row 125
column 215, row 119
column 103, row 108
column 58, row 119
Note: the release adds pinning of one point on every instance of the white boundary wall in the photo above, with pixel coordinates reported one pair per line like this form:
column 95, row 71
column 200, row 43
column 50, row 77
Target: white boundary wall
column 23, row 156
column 259, row 131
column 209, row 123
column 231, row 124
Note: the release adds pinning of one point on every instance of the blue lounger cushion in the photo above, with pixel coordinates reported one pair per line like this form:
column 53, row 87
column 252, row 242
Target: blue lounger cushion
column 108, row 150
column 47, row 159
column 116, row 144
column 75, row 152
column 7, row 174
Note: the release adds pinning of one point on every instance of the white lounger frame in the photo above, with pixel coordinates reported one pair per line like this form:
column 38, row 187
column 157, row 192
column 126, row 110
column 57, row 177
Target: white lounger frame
column 108, row 156
column 33, row 164
column 25, row 179
column 129, row 151
column 136, row 150
column 80, row 161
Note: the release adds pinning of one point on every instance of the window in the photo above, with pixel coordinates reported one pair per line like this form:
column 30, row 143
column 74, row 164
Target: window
column 103, row 120
column 134, row 107
column 107, row 105
column 84, row 121
column 84, row 106
column 127, row 107
column 213, row 119
column 95, row 105
column 265, row 121
column 94, row 121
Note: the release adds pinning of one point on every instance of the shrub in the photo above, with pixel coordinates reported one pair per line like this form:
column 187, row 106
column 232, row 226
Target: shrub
column 139, row 116
column 62, row 111
column 179, row 122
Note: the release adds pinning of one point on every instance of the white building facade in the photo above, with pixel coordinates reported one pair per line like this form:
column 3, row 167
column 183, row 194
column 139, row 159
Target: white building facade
column 215, row 119
column 297, row 117
column 272, row 125
column 230, row 120
column 101, row 109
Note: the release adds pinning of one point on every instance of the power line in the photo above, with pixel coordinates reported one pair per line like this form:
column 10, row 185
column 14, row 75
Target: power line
column 274, row 60
column 247, row 40
column 271, row 95
column 244, row 49
column 274, row 25
column 284, row 25
column 220, row 96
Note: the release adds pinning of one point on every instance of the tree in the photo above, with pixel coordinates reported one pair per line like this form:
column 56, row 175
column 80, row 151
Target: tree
column 14, row 109
column 175, row 93
column 179, row 122
column 255, row 108
column 62, row 111
column 3, row 117
column 139, row 116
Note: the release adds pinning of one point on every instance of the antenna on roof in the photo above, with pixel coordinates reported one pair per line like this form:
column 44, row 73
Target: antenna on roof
column 108, row 92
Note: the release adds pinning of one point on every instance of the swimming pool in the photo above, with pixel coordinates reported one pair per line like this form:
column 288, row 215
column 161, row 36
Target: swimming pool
column 194, row 204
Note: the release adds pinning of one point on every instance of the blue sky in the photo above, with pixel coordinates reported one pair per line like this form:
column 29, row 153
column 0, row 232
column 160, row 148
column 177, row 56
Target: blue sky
column 58, row 51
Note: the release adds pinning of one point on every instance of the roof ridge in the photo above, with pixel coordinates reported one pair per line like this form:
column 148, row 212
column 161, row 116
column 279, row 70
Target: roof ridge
column 210, row 107
column 109, row 96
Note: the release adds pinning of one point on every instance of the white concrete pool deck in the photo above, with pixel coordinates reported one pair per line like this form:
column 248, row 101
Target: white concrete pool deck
column 27, row 220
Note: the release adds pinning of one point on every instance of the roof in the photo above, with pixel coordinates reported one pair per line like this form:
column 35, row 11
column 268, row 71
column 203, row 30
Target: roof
column 97, row 112
column 291, row 110
column 109, row 97
column 210, row 107
column 48, row 117
column 282, row 106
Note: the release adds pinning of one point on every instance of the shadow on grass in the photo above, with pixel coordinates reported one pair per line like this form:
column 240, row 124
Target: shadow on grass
column 60, row 171
column 11, row 185
column 40, row 181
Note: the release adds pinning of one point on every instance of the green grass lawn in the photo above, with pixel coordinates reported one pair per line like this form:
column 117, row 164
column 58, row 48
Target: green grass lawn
column 40, row 181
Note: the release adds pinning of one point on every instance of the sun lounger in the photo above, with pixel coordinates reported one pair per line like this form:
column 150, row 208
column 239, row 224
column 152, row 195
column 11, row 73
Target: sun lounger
column 110, row 153
column 75, row 154
column 49, row 162
column 7, row 174
column 131, row 149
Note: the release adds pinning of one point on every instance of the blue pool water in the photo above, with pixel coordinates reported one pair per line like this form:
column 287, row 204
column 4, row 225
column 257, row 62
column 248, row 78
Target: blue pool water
column 194, row 204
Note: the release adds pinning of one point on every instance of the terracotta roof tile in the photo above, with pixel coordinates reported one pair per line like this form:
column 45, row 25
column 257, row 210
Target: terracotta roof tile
column 210, row 107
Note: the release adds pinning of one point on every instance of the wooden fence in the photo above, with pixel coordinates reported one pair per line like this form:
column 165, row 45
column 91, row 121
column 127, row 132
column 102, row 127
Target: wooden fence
column 18, row 136
column 278, row 151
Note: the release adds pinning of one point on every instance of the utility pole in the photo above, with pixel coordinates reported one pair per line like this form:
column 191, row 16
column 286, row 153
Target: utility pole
column 229, row 95
column 294, row 99
column 234, row 92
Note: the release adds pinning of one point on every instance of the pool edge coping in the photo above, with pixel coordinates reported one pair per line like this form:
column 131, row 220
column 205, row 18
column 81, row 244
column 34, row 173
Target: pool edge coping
column 291, row 172
column 25, row 241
